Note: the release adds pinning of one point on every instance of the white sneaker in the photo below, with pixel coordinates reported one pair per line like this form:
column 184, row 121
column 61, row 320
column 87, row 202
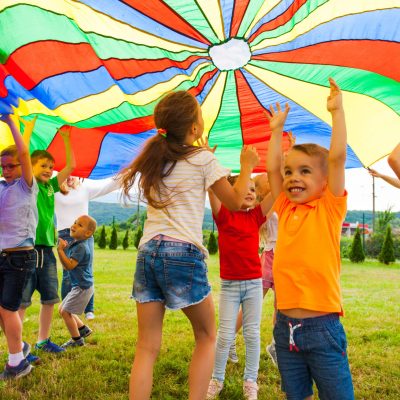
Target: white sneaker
column 89, row 315
column 214, row 389
column 250, row 390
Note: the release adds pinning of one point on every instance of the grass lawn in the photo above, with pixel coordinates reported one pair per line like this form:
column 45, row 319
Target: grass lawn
column 100, row 370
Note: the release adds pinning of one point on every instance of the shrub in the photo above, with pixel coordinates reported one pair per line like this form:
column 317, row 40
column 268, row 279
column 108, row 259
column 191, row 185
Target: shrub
column 125, row 242
column 138, row 236
column 387, row 253
column 103, row 238
column 212, row 245
column 356, row 253
column 114, row 239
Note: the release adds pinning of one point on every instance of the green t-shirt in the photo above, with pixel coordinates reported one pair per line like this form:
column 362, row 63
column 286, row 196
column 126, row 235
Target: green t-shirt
column 45, row 231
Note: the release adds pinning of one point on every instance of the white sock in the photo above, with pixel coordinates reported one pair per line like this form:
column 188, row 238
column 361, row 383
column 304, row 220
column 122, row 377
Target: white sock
column 15, row 359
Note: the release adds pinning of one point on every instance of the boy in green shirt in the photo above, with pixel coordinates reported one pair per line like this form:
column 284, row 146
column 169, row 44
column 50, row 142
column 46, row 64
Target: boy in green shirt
column 44, row 279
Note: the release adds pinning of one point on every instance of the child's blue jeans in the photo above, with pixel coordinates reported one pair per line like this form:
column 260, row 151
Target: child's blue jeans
column 313, row 349
column 249, row 294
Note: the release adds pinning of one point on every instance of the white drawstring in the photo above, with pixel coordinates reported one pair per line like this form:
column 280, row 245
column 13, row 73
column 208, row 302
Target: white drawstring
column 292, row 344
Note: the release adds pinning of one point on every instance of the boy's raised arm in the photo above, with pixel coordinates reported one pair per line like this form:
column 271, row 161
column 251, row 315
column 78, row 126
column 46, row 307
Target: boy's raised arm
column 274, row 157
column 337, row 151
column 394, row 160
column 22, row 147
column 65, row 132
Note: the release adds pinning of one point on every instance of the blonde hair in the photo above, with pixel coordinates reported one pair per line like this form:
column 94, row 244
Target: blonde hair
column 314, row 150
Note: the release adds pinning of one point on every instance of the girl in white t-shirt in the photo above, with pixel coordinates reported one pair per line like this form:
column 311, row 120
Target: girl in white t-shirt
column 174, row 176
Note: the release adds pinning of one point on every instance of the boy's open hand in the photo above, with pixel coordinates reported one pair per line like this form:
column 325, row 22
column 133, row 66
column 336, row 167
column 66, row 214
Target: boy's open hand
column 65, row 131
column 249, row 156
column 334, row 101
column 203, row 142
column 277, row 118
column 62, row 244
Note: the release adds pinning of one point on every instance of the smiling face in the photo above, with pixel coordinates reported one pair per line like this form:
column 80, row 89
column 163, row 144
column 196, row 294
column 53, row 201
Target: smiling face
column 250, row 199
column 305, row 179
column 80, row 229
column 11, row 168
column 43, row 169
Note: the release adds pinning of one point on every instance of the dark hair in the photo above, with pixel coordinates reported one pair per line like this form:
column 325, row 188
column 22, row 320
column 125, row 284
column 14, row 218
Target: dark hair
column 175, row 115
column 11, row 151
column 314, row 150
column 40, row 154
column 232, row 179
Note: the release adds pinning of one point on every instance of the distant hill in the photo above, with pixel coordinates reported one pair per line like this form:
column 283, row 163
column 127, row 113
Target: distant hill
column 104, row 213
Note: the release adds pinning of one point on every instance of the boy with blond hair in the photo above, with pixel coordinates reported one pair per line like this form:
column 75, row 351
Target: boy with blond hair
column 76, row 258
column 18, row 193
column 44, row 278
column 310, row 200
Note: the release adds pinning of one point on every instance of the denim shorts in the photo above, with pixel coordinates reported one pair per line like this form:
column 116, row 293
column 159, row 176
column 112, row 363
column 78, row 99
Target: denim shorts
column 15, row 269
column 313, row 349
column 44, row 279
column 173, row 273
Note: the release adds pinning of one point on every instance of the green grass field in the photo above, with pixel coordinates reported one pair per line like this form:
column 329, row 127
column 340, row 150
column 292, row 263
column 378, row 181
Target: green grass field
column 100, row 370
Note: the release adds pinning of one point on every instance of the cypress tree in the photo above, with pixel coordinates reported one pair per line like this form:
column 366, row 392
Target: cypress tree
column 212, row 245
column 103, row 238
column 125, row 242
column 387, row 253
column 114, row 238
column 356, row 253
column 138, row 236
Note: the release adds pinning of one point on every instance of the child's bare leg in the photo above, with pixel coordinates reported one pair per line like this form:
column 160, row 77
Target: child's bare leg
column 21, row 313
column 202, row 318
column 12, row 328
column 78, row 321
column 45, row 318
column 150, row 319
column 70, row 323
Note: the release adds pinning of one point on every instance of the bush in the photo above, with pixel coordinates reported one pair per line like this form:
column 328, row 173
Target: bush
column 125, row 242
column 103, row 238
column 212, row 245
column 387, row 253
column 356, row 253
column 345, row 246
column 138, row 236
column 114, row 239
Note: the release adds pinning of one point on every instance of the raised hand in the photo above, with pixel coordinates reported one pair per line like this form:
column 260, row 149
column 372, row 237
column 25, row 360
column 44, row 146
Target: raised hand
column 203, row 142
column 277, row 118
column 62, row 244
column 65, row 131
column 249, row 156
column 334, row 100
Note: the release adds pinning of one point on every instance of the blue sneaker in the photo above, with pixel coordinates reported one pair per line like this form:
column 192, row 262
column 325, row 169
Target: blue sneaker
column 22, row 369
column 26, row 349
column 34, row 360
column 49, row 347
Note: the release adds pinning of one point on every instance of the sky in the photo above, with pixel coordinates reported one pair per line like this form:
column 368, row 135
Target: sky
column 359, row 188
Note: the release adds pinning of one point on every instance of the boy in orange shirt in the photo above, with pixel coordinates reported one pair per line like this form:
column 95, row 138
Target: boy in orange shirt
column 310, row 201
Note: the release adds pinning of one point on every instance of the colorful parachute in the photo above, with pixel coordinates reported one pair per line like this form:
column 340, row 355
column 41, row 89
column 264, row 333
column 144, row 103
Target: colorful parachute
column 102, row 65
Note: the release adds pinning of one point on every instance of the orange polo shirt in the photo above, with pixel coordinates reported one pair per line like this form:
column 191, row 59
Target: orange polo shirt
column 306, row 265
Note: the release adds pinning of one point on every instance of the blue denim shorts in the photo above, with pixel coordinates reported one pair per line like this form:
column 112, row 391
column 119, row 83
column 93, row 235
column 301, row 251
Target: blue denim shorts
column 313, row 349
column 44, row 279
column 173, row 273
column 15, row 269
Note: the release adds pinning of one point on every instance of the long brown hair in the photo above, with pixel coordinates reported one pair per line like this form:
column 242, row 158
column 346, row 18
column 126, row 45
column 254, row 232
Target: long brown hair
column 174, row 117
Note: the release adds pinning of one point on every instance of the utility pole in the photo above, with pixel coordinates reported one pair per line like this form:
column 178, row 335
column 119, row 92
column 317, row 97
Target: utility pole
column 373, row 204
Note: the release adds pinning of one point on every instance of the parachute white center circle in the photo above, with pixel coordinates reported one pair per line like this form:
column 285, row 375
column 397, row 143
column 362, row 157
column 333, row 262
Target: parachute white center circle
column 230, row 55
